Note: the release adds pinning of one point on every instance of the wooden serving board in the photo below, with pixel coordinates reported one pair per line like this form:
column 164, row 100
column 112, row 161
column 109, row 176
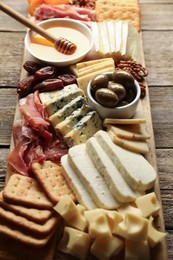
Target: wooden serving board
column 159, row 252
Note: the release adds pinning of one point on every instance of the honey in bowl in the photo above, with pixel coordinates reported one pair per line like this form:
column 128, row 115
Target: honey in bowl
column 45, row 49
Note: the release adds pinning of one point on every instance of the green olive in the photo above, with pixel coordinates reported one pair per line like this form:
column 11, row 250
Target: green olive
column 106, row 97
column 122, row 103
column 117, row 89
column 130, row 95
column 124, row 78
column 100, row 81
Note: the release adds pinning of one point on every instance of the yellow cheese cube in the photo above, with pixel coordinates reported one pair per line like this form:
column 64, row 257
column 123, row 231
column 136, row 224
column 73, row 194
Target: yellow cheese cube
column 78, row 220
column 128, row 208
column 133, row 227
column 66, row 207
column 154, row 236
column 148, row 204
column 98, row 225
column 104, row 248
column 75, row 242
column 137, row 250
column 113, row 219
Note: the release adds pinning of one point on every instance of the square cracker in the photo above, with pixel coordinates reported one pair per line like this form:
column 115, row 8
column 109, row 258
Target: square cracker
column 42, row 228
column 24, row 190
column 50, row 177
column 110, row 10
column 36, row 215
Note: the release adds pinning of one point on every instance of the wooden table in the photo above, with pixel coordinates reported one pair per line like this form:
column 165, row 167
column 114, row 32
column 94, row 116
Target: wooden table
column 157, row 31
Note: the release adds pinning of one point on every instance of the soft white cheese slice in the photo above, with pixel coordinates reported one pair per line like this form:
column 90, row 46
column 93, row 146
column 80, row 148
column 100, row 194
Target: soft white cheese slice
column 118, row 186
column 93, row 181
column 135, row 169
column 76, row 185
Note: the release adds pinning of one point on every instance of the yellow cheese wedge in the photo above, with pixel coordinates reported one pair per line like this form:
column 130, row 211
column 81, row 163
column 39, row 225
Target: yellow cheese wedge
column 75, row 243
column 133, row 227
column 105, row 248
column 154, row 236
column 148, row 204
column 134, row 146
column 114, row 218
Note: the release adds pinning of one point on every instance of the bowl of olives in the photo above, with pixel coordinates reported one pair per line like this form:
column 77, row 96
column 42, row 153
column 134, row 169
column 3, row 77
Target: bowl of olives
column 114, row 94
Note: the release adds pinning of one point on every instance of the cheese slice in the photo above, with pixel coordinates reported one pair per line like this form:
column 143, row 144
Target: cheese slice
column 130, row 132
column 111, row 35
column 67, row 124
column 104, row 35
column 67, row 110
column 96, row 67
column 136, row 170
column 118, row 186
column 115, row 121
column 76, row 185
column 93, row 181
column 85, row 64
column 124, row 37
column 84, row 129
column 134, row 146
column 133, row 44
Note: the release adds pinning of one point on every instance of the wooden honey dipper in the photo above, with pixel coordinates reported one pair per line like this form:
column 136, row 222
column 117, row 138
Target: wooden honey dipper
column 61, row 44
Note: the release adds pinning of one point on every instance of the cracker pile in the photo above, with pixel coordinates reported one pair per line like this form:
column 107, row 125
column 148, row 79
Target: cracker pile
column 127, row 10
column 27, row 217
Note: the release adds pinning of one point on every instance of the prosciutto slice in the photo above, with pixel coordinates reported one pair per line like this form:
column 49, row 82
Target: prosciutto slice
column 44, row 12
column 34, row 138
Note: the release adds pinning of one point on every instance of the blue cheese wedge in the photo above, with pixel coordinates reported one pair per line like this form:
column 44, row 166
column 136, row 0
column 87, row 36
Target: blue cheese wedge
column 67, row 110
column 135, row 169
column 84, row 129
column 62, row 97
column 90, row 177
column 118, row 186
column 67, row 124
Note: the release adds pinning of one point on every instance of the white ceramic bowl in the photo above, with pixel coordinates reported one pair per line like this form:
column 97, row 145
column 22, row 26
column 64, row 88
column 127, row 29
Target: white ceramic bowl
column 123, row 112
column 71, row 59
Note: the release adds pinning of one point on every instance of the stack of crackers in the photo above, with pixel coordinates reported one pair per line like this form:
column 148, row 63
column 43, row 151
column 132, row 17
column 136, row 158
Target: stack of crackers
column 27, row 218
column 127, row 10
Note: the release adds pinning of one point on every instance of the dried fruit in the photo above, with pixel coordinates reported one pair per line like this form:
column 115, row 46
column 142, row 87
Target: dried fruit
column 31, row 66
column 47, row 72
column 67, row 78
column 26, row 85
column 49, row 84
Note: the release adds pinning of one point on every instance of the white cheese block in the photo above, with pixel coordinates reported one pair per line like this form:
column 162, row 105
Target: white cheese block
column 67, row 110
column 104, row 35
column 124, row 34
column 135, row 169
column 63, row 97
column 67, row 125
column 133, row 44
column 118, row 186
column 84, row 129
column 94, row 182
column 118, row 36
column 111, row 35
column 76, row 185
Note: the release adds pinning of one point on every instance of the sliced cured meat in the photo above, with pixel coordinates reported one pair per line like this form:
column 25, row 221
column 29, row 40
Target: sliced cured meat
column 44, row 12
